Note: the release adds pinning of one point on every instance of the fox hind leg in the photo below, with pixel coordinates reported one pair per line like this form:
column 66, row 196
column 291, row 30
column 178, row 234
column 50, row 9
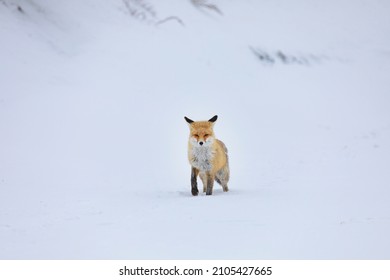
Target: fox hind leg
column 222, row 178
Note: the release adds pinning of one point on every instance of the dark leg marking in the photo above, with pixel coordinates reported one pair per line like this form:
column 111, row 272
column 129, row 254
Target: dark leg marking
column 194, row 183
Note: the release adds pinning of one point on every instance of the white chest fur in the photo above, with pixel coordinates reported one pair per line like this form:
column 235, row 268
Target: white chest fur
column 201, row 158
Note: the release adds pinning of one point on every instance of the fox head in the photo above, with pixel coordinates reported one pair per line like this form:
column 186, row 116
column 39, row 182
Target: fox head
column 201, row 132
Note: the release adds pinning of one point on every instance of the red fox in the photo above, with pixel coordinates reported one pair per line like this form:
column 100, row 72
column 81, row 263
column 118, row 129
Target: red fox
column 208, row 157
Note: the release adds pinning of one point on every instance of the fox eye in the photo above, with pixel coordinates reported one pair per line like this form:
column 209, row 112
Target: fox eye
column 196, row 135
column 206, row 135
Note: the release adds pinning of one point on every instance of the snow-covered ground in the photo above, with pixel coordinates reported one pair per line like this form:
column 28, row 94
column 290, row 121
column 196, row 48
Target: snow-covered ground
column 93, row 160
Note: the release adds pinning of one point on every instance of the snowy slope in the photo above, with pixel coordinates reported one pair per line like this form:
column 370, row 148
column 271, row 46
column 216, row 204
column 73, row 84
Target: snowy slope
column 93, row 141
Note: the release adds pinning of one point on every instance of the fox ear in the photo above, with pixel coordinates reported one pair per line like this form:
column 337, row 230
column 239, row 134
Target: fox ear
column 188, row 120
column 213, row 119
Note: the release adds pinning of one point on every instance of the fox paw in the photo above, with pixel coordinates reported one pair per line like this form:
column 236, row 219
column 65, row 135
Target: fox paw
column 194, row 192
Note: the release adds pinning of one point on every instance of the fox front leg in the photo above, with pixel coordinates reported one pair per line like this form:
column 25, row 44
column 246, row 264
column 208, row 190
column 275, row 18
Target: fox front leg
column 203, row 177
column 210, row 184
column 194, row 183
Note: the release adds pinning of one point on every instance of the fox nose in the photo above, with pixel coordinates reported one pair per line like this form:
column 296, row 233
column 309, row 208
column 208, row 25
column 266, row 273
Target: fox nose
column 201, row 143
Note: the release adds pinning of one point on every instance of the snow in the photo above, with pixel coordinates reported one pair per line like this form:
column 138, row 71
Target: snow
column 93, row 143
